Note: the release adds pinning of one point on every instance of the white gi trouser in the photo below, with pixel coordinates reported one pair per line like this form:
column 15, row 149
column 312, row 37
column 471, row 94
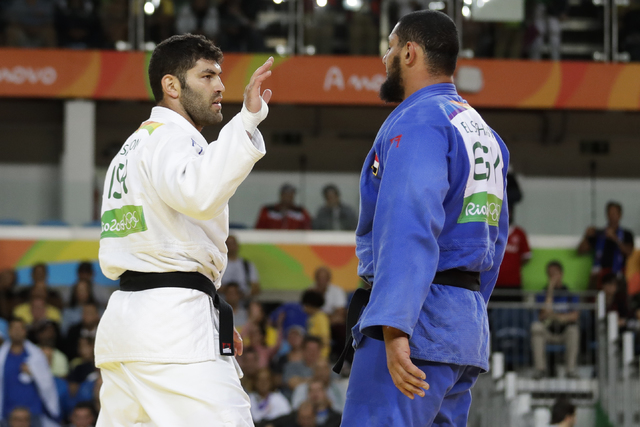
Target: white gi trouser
column 173, row 395
column 177, row 387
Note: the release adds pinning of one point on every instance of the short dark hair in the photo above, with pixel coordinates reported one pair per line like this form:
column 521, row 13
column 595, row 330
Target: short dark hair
column 312, row 298
column 436, row 34
column 562, row 409
column 176, row 55
column 330, row 187
column 85, row 267
column 613, row 204
column 312, row 338
column 555, row 263
column 17, row 319
column 86, row 405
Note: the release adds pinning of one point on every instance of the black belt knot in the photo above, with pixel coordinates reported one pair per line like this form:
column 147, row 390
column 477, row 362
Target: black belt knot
column 134, row 281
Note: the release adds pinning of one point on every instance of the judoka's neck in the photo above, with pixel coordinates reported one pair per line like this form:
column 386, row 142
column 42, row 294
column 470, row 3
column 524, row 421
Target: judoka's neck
column 422, row 80
column 17, row 348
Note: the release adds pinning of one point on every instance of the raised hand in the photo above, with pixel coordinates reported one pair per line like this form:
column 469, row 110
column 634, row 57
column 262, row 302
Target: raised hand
column 252, row 91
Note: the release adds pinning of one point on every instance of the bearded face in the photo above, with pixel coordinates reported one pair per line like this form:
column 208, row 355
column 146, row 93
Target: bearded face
column 392, row 90
column 199, row 106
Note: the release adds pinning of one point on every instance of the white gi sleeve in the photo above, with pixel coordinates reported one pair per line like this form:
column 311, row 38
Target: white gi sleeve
column 200, row 186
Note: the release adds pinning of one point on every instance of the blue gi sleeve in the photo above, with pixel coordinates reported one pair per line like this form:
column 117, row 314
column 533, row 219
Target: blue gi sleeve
column 488, row 278
column 409, row 216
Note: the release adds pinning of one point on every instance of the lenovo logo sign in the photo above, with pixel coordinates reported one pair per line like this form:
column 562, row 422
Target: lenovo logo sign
column 19, row 75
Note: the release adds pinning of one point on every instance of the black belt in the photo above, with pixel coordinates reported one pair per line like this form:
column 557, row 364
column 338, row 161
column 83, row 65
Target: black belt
column 133, row 281
column 460, row 279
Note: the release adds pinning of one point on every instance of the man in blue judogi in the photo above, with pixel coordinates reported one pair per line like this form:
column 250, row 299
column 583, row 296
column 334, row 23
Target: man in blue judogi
column 430, row 239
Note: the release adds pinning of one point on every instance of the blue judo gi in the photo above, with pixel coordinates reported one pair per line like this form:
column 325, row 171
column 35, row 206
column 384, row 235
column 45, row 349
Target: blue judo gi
column 432, row 193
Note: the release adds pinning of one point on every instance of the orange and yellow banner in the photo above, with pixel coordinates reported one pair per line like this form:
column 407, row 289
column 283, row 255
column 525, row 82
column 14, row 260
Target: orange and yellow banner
column 325, row 80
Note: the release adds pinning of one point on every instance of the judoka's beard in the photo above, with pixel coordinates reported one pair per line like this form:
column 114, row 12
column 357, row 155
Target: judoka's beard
column 392, row 89
column 199, row 108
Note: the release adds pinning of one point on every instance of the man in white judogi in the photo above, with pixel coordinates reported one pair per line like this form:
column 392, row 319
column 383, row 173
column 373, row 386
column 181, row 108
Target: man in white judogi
column 160, row 345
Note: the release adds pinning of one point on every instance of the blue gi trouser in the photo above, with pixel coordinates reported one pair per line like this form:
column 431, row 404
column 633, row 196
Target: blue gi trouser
column 374, row 401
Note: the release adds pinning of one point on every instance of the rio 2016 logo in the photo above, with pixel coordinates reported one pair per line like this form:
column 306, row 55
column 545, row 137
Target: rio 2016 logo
column 490, row 209
column 128, row 222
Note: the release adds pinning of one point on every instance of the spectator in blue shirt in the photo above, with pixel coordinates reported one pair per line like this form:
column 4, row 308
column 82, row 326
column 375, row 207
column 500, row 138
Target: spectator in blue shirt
column 557, row 323
column 26, row 378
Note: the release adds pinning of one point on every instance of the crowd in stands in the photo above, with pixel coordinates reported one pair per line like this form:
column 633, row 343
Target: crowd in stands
column 47, row 364
column 337, row 28
column 557, row 321
column 286, row 215
column 47, row 333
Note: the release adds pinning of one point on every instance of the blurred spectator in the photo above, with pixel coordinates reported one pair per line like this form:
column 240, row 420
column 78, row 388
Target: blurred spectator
column 514, row 192
column 256, row 335
column 237, row 27
column 547, row 17
column 89, row 390
column 335, row 302
column 267, row 403
column 517, row 254
column 318, row 323
column 30, row 23
column 64, row 398
column 83, row 415
column 335, row 298
column 8, row 281
column 326, row 416
column 240, row 270
column 232, row 294
column 249, row 364
column 294, row 315
column 82, row 366
column 295, row 373
column 334, row 215
column 611, row 246
column 616, row 298
column 334, row 392
column 305, row 416
column 563, row 413
column 47, row 335
column 257, row 319
column 37, row 311
column 557, row 323
column 78, row 24
column 19, row 417
column 27, row 380
column 40, row 287
column 285, row 215
column 115, row 22
column 81, row 294
column 85, row 329
column 291, row 351
column 198, row 17
column 99, row 294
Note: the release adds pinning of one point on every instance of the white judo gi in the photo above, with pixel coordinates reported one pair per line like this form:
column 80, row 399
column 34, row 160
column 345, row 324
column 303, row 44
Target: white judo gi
column 164, row 209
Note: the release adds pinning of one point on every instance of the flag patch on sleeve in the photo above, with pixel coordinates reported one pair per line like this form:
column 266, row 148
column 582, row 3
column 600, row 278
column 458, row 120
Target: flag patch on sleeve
column 376, row 166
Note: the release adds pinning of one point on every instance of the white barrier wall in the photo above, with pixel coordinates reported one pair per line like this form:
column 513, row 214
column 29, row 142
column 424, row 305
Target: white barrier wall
column 551, row 206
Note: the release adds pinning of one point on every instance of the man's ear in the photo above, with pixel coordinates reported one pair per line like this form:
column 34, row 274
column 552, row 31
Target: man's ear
column 411, row 53
column 171, row 86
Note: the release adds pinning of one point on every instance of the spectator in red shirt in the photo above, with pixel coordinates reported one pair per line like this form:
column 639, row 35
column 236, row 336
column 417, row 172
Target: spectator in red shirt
column 285, row 215
column 516, row 255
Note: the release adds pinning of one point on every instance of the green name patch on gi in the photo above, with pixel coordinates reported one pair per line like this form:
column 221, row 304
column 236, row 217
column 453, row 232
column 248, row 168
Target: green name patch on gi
column 123, row 221
column 481, row 207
